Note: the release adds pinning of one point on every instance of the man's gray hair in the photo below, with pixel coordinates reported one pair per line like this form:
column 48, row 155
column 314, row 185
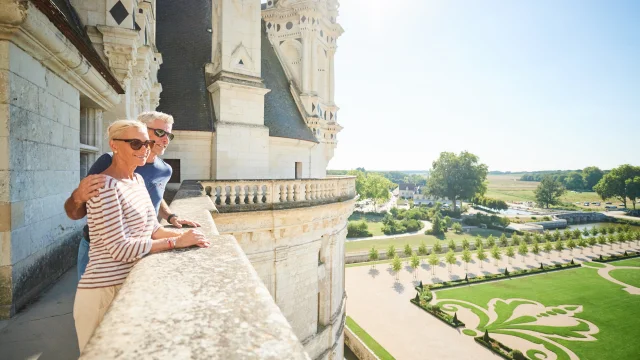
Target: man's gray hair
column 149, row 116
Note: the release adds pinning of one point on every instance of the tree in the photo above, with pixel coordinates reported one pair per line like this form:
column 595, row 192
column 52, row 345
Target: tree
column 547, row 235
column 465, row 243
column 491, row 241
column 602, row 240
column 576, row 233
column 437, row 248
column 615, row 185
column 548, row 192
column 559, row 246
column 457, row 228
column 622, row 237
column 592, row 242
column 535, row 249
column 466, row 257
column 503, row 240
column 496, row 254
column 481, row 255
column 527, row 237
column 594, row 231
column 633, row 189
column 415, row 262
column 612, row 239
column 478, row 242
column 511, row 253
column 407, row 250
column 585, row 232
column 436, row 227
column 377, row 189
column 523, row 250
column 571, row 244
column 590, row 176
column 397, row 266
column 433, row 262
column 582, row 242
column 547, row 248
column 457, row 177
column 567, row 234
column 422, row 249
column 556, row 235
column 373, row 256
column 574, row 181
column 451, row 245
column 447, row 221
column 450, row 258
column 537, row 237
column 391, row 252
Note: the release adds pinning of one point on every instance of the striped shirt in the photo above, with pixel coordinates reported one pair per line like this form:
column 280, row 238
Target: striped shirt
column 121, row 220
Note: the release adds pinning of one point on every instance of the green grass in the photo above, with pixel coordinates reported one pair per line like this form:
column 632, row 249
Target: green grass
column 415, row 240
column 627, row 262
column 627, row 276
column 469, row 332
column 510, row 189
column 368, row 340
column 373, row 222
column 604, row 304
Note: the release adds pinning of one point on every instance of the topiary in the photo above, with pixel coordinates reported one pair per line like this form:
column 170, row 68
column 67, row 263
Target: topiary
column 517, row 355
column 420, row 284
column 541, row 267
column 417, row 298
column 455, row 318
column 572, row 263
column 506, row 272
column 466, row 277
column 601, row 257
column 625, row 253
column 486, row 337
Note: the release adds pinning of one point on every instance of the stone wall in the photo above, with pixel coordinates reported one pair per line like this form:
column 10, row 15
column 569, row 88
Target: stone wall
column 213, row 305
column 193, row 149
column 39, row 142
column 299, row 255
column 358, row 347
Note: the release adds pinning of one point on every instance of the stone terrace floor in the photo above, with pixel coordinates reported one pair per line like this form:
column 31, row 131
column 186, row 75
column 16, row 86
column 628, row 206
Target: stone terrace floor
column 44, row 329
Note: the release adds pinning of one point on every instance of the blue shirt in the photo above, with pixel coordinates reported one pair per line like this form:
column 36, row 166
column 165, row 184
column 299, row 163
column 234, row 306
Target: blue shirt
column 156, row 176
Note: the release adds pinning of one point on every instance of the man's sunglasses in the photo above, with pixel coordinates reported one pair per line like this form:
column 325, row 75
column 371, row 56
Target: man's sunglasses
column 161, row 133
column 137, row 144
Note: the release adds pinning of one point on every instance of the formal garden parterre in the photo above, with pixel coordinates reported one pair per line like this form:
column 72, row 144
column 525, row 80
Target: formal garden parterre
column 573, row 314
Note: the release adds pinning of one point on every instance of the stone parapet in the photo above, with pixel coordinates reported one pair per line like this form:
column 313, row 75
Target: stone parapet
column 256, row 195
column 195, row 303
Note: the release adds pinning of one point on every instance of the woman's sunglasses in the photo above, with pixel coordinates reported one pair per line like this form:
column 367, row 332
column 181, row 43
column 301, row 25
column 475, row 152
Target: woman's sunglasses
column 161, row 133
column 137, row 144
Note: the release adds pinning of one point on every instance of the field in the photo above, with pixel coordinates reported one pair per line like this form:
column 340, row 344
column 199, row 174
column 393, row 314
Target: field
column 510, row 189
column 415, row 240
column 575, row 314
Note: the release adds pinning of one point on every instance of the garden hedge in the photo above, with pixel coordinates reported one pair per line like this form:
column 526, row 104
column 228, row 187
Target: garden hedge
column 629, row 255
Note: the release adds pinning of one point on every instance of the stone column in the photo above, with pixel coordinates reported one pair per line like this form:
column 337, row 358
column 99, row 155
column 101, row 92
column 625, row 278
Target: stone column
column 306, row 66
column 331, row 53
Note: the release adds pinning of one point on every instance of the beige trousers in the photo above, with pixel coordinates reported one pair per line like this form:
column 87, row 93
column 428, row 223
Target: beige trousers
column 89, row 308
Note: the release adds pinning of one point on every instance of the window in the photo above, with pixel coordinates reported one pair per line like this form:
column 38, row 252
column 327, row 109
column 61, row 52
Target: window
column 298, row 170
column 90, row 138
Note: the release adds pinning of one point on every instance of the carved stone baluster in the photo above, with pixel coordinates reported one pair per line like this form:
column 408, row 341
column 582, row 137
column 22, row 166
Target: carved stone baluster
column 290, row 192
column 267, row 193
column 277, row 195
column 242, row 194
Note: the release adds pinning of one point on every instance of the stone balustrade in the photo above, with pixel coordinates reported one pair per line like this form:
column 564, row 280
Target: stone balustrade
column 195, row 303
column 248, row 195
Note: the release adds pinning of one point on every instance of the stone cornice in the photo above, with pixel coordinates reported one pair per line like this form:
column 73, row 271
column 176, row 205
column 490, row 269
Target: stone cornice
column 34, row 32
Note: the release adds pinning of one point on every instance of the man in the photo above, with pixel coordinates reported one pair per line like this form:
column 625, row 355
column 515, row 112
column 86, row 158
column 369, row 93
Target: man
column 155, row 172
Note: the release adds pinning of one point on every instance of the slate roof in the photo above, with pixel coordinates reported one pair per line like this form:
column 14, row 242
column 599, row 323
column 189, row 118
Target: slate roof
column 183, row 38
column 281, row 114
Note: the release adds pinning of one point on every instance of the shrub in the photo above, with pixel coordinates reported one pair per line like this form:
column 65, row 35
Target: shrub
column 457, row 228
column 517, row 355
column 358, row 229
column 411, row 225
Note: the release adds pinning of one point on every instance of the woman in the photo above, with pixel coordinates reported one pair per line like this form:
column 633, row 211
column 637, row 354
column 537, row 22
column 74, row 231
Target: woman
column 123, row 228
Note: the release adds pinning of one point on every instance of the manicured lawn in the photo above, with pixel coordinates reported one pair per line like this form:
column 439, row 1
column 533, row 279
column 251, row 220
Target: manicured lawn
column 368, row 340
column 551, row 307
column 373, row 222
column 415, row 240
column 627, row 262
column 627, row 276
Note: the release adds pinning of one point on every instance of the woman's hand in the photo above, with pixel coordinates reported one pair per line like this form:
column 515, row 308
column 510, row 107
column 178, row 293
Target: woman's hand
column 190, row 238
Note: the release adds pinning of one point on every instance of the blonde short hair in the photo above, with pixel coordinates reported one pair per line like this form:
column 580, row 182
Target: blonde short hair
column 148, row 116
column 118, row 127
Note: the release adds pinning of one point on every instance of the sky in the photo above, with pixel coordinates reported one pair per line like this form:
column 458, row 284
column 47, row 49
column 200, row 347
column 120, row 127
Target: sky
column 525, row 85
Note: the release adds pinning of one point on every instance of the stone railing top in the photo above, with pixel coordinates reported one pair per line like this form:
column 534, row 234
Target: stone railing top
column 276, row 194
column 195, row 303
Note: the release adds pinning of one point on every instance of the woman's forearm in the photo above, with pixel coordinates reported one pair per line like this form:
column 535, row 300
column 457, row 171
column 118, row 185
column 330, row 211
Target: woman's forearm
column 163, row 232
column 160, row 245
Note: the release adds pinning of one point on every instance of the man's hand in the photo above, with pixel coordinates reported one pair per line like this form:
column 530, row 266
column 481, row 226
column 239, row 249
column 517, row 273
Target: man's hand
column 88, row 188
column 178, row 222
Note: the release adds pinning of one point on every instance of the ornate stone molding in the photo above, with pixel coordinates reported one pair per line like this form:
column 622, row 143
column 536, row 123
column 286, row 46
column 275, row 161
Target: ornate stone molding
column 121, row 48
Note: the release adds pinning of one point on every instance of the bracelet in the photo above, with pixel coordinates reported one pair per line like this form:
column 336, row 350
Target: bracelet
column 170, row 216
column 171, row 243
